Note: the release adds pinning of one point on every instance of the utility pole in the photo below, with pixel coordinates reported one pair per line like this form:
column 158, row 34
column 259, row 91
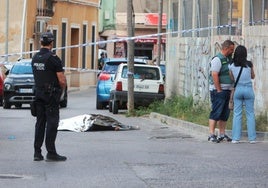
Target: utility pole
column 159, row 37
column 23, row 29
column 7, row 30
column 231, row 17
column 130, row 56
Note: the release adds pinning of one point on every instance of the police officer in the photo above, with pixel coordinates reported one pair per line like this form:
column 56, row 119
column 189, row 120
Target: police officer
column 50, row 83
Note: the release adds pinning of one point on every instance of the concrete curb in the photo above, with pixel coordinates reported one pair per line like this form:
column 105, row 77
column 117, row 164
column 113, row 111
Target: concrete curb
column 200, row 130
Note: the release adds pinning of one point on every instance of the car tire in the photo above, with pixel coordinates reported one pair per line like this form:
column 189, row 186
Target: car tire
column 115, row 107
column 6, row 105
column 110, row 106
column 99, row 105
column 1, row 101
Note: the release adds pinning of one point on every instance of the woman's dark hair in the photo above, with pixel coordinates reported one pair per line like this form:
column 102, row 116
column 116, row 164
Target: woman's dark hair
column 240, row 56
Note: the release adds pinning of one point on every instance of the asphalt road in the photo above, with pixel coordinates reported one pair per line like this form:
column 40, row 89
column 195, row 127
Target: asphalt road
column 156, row 156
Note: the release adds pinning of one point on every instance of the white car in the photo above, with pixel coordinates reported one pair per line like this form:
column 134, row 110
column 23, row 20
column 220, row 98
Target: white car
column 148, row 86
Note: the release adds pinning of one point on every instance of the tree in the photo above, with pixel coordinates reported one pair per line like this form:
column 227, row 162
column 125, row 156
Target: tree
column 130, row 56
column 159, row 38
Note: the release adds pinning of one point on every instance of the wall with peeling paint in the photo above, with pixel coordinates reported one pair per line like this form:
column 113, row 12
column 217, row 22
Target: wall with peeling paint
column 188, row 64
column 256, row 41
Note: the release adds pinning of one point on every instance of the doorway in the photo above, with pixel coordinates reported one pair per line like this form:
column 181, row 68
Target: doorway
column 74, row 57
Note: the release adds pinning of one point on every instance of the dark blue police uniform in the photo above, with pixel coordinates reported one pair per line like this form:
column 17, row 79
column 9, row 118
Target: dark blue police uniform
column 45, row 65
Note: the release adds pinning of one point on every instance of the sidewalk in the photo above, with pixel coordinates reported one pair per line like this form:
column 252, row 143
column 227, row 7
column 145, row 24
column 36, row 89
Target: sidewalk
column 199, row 130
column 192, row 128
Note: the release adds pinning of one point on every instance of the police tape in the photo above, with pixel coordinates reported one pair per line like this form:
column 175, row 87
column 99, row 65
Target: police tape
column 121, row 39
column 81, row 69
column 126, row 39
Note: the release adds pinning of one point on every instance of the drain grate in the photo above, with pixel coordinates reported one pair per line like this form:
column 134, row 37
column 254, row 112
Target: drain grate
column 10, row 176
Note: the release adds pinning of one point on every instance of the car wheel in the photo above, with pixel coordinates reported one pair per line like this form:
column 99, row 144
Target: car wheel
column 64, row 102
column 6, row 105
column 110, row 106
column 99, row 105
column 115, row 107
column 1, row 101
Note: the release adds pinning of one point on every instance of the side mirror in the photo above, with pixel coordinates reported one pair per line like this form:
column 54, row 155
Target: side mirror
column 7, row 72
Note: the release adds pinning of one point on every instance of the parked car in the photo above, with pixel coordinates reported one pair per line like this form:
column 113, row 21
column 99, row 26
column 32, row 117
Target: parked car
column 19, row 86
column 148, row 86
column 1, row 85
column 105, row 78
column 163, row 69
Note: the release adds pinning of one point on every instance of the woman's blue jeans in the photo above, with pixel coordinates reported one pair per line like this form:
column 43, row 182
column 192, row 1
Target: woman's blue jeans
column 244, row 96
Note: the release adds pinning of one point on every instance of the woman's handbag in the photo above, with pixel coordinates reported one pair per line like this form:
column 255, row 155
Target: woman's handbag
column 231, row 100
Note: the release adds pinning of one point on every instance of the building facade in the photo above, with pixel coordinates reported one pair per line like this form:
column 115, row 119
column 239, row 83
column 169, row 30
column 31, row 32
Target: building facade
column 197, row 29
column 74, row 24
column 114, row 26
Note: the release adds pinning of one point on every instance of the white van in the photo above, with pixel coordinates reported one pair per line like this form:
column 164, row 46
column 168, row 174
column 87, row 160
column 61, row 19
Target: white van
column 148, row 86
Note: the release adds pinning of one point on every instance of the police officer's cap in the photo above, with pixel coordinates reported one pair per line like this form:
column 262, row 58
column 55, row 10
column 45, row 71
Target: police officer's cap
column 47, row 37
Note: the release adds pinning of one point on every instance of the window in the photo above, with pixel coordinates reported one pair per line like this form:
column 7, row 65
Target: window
column 93, row 46
column 203, row 10
column 55, row 39
column 147, row 73
column 258, row 12
column 187, row 18
column 84, row 47
column 63, row 42
column 174, row 20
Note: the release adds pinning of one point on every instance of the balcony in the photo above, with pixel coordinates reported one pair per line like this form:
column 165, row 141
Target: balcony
column 45, row 8
column 44, row 12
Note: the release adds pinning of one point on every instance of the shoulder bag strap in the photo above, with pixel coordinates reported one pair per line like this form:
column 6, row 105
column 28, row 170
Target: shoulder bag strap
column 238, row 77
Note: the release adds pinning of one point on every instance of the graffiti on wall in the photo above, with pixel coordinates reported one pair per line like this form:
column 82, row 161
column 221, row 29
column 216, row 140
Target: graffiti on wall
column 197, row 69
column 191, row 75
column 256, row 55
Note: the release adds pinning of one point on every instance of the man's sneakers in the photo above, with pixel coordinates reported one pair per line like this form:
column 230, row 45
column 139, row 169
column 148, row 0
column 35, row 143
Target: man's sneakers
column 213, row 138
column 51, row 157
column 224, row 138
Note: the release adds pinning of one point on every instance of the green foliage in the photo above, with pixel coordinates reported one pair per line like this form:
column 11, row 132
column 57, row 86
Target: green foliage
column 262, row 122
column 184, row 108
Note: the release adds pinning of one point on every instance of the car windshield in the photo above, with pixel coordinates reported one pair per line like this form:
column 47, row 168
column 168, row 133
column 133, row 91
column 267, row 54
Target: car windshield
column 111, row 67
column 22, row 68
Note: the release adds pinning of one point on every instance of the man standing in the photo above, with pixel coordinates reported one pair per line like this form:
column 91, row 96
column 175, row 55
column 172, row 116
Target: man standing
column 101, row 61
column 220, row 85
column 50, row 83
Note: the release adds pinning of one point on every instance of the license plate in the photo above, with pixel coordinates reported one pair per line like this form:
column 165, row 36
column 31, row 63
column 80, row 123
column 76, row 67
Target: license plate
column 142, row 86
column 26, row 90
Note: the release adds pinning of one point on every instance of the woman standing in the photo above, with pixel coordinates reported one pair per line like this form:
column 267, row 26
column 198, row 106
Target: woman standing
column 243, row 95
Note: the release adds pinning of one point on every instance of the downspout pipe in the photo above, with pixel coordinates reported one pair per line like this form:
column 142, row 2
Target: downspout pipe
column 7, row 30
column 23, row 29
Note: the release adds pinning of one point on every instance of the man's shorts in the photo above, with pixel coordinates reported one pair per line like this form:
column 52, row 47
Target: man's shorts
column 219, row 105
